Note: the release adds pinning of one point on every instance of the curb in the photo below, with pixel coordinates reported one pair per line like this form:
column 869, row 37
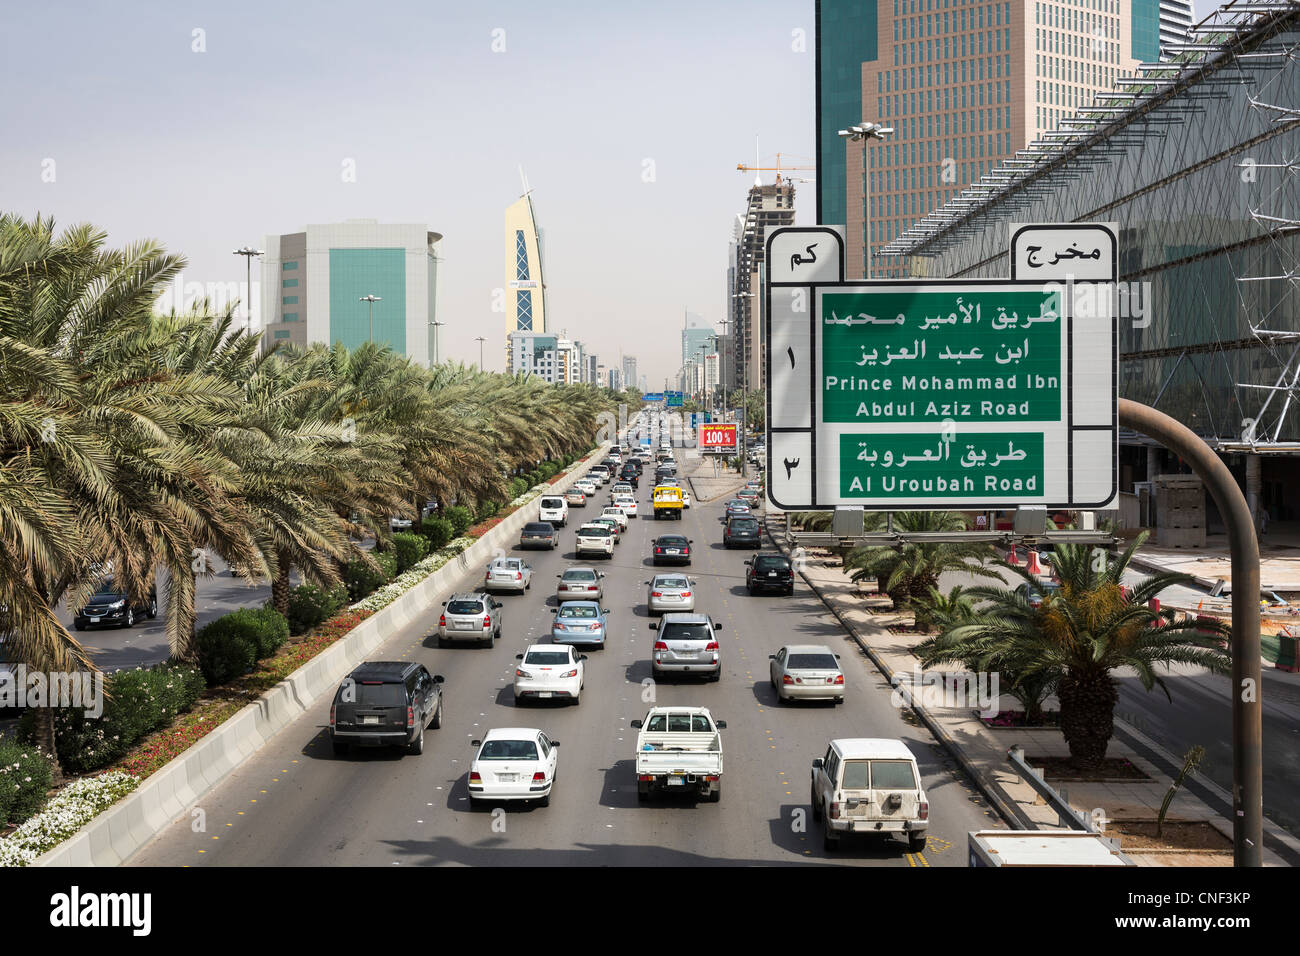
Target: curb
column 114, row 835
column 989, row 789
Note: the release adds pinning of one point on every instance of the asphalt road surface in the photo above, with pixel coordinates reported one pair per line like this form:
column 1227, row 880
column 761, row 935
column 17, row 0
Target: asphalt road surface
column 296, row 804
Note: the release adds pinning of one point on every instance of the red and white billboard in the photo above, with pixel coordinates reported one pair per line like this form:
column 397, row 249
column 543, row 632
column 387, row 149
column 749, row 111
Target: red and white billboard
column 717, row 436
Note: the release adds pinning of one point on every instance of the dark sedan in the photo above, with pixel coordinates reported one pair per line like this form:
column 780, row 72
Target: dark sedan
column 110, row 606
column 539, row 534
column 672, row 549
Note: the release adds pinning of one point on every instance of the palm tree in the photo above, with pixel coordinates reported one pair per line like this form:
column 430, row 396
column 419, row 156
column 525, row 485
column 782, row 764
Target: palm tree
column 907, row 572
column 1074, row 639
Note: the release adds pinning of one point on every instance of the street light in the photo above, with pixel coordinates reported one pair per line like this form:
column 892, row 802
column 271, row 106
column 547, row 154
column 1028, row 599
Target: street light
column 480, row 341
column 864, row 134
column 436, row 325
column 372, row 299
column 248, row 252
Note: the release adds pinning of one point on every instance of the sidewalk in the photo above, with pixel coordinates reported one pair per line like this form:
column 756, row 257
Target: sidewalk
column 705, row 487
column 982, row 750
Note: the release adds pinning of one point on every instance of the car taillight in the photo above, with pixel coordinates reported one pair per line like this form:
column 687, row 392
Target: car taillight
column 835, row 810
column 656, row 593
column 442, row 620
column 522, row 673
column 712, row 646
column 660, row 646
column 925, row 810
column 487, row 620
column 572, row 673
column 787, row 679
column 331, row 715
column 539, row 777
column 519, row 575
column 838, row 680
column 659, row 550
column 686, row 594
column 410, row 717
column 475, row 777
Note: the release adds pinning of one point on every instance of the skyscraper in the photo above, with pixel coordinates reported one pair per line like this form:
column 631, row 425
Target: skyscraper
column 963, row 84
column 1175, row 25
column 313, row 281
column 769, row 207
column 525, row 282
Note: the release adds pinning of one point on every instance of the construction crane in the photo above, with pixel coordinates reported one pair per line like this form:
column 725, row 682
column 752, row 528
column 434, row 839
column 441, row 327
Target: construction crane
column 742, row 167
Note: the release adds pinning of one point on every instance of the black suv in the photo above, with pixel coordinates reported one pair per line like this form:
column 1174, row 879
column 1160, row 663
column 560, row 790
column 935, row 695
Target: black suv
column 386, row 704
column 631, row 475
column 769, row 572
column 110, row 606
column 742, row 531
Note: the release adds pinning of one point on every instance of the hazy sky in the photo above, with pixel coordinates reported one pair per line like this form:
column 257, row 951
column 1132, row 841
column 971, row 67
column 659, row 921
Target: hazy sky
column 629, row 119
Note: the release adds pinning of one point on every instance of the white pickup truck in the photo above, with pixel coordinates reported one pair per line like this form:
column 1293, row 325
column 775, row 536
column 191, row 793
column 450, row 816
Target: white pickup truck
column 679, row 750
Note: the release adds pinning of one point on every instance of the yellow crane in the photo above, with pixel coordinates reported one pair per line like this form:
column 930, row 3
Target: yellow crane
column 778, row 168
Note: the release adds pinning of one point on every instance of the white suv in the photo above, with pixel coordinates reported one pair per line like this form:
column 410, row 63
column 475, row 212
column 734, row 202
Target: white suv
column 555, row 510
column 869, row 785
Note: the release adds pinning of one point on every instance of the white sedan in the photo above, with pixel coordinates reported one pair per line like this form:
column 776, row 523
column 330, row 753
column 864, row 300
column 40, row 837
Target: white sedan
column 513, row 763
column 547, row 671
column 618, row 513
column 627, row 503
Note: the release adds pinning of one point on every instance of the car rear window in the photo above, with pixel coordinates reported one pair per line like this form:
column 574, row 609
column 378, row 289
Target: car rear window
column 892, row 775
column 508, row 750
column 684, row 632
column 672, row 541
column 378, row 695
column 539, row 527
column 579, row 576
column 672, row 583
column 552, row 502
column 547, row 657
column 812, row 662
column 744, row 524
column 464, row 607
column 771, row 563
column 583, row 612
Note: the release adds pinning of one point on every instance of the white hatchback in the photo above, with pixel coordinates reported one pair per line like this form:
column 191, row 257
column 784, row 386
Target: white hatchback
column 548, row 671
column 513, row 763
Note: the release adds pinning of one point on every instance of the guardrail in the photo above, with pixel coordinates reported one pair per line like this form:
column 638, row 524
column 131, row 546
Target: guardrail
column 1058, row 800
column 826, row 539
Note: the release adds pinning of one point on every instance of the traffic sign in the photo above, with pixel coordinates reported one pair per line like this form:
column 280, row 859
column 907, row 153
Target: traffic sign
column 674, row 399
column 652, row 397
column 926, row 395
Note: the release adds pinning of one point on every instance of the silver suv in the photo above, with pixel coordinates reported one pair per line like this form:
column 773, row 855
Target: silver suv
column 687, row 644
column 469, row 617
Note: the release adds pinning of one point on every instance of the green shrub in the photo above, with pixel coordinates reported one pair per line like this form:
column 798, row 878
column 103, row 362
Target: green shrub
column 225, row 652
column 438, row 531
column 487, row 509
column 136, row 703
column 24, row 779
column 363, row 578
column 518, row 487
column 268, row 628
column 310, row 606
column 461, row 518
column 410, row 549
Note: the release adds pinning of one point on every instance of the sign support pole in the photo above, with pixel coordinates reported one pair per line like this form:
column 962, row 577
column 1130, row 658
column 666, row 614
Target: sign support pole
column 1247, row 683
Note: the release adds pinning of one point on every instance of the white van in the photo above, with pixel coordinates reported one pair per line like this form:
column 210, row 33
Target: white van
column 555, row 510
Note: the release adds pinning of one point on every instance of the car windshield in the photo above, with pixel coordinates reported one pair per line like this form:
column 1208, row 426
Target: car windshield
column 583, row 612
column 744, row 524
column 107, row 589
column 373, row 695
column 547, row 657
column 464, row 607
column 508, row 750
column 672, row 583
column 812, row 662
column 674, row 631
column 579, row 576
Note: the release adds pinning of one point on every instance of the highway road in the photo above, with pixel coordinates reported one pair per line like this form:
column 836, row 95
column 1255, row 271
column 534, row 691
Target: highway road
column 294, row 803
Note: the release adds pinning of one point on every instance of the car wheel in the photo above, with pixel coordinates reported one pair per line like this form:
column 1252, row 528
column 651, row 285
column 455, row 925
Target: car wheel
column 642, row 794
column 750, row 589
column 130, row 618
column 816, row 807
column 789, row 592
column 416, row 746
column 340, row 748
column 442, row 641
column 476, row 804
column 829, row 843
column 715, row 676
column 153, row 608
column 781, row 698
column 715, row 795
column 437, row 715
column 576, row 698
column 80, row 627
column 544, row 801
column 915, row 842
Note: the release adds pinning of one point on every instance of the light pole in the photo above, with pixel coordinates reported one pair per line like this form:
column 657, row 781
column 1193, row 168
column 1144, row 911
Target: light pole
column 248, row 252
column 744, row 393
column 480, row 341
column 436, row 325
column 372, row 299
column 864, row 134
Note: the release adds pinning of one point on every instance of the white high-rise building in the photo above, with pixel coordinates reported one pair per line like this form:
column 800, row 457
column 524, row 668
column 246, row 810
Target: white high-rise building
column 1175, row 25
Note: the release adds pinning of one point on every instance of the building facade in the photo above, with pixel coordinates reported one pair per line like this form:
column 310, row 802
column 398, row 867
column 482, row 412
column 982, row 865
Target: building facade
column 313, row 281
column 1195, row 164
column 553, row 358
column 769, row 207
column 963, row 85
column 525, row 282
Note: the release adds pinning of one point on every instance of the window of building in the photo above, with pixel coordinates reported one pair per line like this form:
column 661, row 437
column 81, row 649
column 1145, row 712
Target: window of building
column 289, row 283
column 288, row 300
column 282, row 333
column 289, row 317
column 288, row 266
